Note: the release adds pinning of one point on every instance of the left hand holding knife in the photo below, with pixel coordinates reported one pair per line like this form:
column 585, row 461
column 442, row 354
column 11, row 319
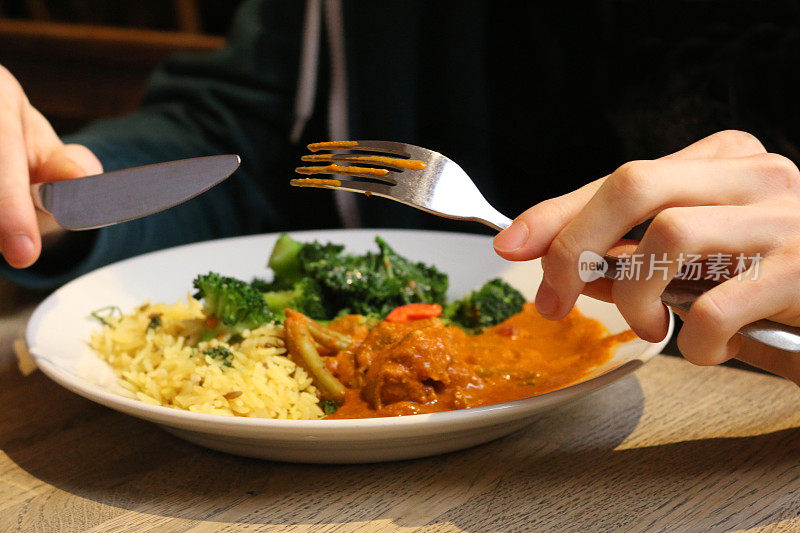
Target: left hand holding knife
column 30, row 152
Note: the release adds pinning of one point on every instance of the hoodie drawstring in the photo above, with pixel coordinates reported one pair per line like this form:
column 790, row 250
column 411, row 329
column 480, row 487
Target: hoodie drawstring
column 338, row 128
column 307, row 80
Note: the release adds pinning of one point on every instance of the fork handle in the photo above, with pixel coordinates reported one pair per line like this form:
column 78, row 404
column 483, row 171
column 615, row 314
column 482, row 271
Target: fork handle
column 681, row 294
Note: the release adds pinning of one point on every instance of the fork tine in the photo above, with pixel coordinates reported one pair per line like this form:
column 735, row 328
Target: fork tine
column 383, row 146
column 365, row 187
column 370, row 146
column 357, row 172
column 391, row 162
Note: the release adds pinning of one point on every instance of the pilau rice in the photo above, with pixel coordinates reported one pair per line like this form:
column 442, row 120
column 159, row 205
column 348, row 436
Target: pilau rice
column 156, row 353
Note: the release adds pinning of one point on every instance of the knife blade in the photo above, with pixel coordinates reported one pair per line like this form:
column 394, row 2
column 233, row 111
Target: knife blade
column 122, row 195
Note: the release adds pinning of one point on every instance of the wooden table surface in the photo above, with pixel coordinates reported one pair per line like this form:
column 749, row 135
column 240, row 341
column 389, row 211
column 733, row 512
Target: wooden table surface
column 672, row 448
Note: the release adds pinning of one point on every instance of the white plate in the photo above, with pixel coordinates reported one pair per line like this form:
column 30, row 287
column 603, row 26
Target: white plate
column 58, row 331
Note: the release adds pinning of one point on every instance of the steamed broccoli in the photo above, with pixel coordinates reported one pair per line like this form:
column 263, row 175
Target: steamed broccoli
column 371, row 284
column 488, row 306
column 312, row 252
column 235, row 303
column 304, row 296
column 289, row 258
column 285, row 263
column 262, row 285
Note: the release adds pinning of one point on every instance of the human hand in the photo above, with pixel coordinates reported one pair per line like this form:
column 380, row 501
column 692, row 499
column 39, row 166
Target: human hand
column 30, row 152
column 723, row 194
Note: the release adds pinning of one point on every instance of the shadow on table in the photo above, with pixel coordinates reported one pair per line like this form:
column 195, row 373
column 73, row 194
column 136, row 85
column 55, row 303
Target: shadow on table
column 562, row 472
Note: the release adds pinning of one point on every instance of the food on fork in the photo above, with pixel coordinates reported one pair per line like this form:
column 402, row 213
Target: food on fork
column 334, row 169
column 332, row 145
column 316, row 182
column 397, row 161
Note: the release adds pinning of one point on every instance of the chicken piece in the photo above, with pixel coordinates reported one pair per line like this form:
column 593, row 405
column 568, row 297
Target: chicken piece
column 406, row 362
column 386, row 334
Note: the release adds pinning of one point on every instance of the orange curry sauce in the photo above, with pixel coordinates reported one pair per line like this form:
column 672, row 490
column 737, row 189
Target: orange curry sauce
column 423, row 366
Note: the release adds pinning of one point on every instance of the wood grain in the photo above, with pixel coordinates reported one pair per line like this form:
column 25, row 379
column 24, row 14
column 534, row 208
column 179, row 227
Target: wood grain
column 673, row 448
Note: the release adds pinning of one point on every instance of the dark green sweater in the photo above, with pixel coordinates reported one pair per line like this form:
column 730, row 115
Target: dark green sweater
column 531, row 100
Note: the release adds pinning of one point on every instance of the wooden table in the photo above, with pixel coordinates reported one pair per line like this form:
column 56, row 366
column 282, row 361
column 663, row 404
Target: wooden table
column 673, row 448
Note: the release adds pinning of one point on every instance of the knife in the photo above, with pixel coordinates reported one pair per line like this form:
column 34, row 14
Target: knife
column 122, row 195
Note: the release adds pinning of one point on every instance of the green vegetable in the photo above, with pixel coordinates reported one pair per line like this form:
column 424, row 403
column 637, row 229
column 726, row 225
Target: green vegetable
column 328, row 338
column 262, row 285
column 284, row 261
column 371, row 284
column 105, row 313
column 305, row 296
column 155, row 321
column 208, row 334
column 328, row 407
column 221, row 353
column 488, row 306
column 300, row 345
column 235, row 303
column 322, row 282
column 312, row 252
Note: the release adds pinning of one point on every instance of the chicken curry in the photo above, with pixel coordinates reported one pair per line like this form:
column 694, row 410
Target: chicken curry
column 425, row 366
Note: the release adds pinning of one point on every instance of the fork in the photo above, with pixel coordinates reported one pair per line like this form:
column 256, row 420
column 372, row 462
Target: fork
column 429, row 181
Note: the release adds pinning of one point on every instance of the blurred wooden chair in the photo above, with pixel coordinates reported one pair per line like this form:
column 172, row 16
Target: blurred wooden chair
column 75, row 73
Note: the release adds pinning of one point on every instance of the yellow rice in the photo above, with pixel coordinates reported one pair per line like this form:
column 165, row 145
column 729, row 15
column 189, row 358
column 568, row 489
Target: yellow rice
column 166, row 365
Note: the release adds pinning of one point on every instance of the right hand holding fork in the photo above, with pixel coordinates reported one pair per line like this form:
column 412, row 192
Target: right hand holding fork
column 721, row 195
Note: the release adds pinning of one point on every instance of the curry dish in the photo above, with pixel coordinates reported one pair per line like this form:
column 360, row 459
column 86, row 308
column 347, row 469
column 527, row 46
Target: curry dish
column 424, row 366
column 342, row 335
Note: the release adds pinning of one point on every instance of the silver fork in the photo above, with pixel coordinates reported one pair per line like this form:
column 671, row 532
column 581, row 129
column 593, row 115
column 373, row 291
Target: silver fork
column 443, row 188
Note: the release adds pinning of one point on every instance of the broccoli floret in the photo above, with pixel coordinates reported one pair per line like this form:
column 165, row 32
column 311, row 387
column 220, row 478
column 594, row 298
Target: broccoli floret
column 488, row 306
column 420, row 282
column 288, row 262
column 235, row 303
column 262, row 285
column 312, row 252
column 284, row 261
column 372, row 284
column 304, row 296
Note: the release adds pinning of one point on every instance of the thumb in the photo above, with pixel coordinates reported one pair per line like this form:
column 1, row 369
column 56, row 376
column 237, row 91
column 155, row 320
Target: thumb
column 66, row 162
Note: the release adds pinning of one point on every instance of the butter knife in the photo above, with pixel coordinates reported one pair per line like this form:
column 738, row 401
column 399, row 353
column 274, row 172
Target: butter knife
column 122, row 195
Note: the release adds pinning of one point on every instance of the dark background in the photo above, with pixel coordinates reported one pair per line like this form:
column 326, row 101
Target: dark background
column 652, row 76
column 588, row 85
column 572, row 89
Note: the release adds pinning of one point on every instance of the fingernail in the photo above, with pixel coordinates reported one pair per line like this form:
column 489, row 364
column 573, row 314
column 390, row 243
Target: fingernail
column 511, row 238
column 546, row 300
column 17, row 246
